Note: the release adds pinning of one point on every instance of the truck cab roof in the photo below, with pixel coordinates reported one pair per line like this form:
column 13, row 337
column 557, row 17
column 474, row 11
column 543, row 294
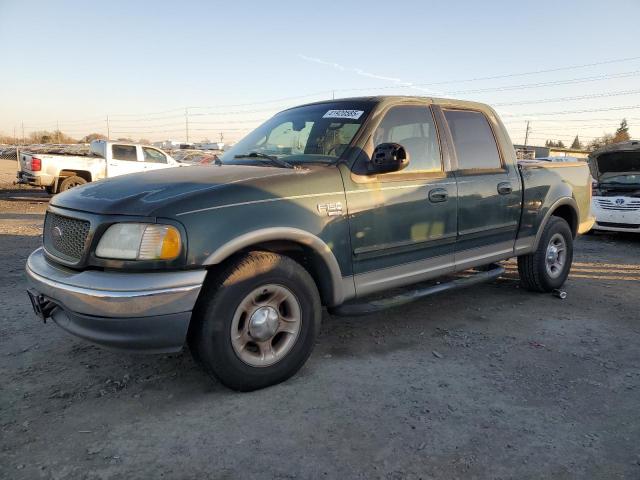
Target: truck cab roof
column 394, row 99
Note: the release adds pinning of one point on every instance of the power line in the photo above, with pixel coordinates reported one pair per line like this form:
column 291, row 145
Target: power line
column 579, row 120
column 533, row 72
column 179, row 124
column 554, row 83
column 558, row 134
column 570, row 99
column 144, row 116
column 495, row 77
column 279, row 100
column 568, row 112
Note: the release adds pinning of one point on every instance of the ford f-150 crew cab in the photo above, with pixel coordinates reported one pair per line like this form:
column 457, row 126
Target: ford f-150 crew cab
column 57, row 173
column 324, row 204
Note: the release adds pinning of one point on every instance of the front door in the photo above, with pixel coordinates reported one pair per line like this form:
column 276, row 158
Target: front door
column 403, row 224
column 489, row 191
column 154, row 159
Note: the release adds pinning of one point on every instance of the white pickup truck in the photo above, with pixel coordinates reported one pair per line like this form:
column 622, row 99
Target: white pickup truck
column 57, row 173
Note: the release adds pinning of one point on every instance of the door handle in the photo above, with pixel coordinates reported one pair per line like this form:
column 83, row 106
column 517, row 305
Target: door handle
column 505, row 188
column 438, row 195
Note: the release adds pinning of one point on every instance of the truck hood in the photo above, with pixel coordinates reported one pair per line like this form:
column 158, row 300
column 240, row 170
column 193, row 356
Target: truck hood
column 151, row 193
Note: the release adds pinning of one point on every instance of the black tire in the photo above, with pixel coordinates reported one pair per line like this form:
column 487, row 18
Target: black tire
column 70, row 182
column 534, row 274
column 211, row 325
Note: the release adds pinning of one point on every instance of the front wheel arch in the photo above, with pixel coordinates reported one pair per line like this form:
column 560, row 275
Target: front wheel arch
column 301, row 246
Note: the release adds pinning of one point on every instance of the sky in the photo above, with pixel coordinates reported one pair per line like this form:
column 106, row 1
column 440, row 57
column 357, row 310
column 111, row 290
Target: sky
column 231, row 65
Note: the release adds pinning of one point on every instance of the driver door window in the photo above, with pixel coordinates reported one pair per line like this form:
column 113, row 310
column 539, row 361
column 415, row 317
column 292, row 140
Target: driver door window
column 151, row 155
column 412, row 127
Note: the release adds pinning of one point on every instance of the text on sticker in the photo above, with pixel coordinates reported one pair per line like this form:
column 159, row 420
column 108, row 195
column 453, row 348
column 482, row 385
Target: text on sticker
column 351, row 114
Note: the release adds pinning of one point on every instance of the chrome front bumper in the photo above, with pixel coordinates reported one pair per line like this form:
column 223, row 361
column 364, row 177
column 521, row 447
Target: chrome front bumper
column 132, row 311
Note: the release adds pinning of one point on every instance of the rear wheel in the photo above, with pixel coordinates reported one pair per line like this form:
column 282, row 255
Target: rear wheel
column 548, row 267
column 71, row 182
column 256, row 323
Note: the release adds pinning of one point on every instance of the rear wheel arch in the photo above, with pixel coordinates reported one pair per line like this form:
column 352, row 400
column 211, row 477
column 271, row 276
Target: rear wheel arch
column 305, row 248
column 84, row 174
column 565, row 208
column 569, row 214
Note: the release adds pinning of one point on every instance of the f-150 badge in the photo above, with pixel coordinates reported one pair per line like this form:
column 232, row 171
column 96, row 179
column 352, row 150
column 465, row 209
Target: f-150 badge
column 330, row 209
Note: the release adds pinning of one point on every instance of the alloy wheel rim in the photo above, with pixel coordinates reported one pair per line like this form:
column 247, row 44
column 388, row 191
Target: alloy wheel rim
column 556, row 255
column 266, row 325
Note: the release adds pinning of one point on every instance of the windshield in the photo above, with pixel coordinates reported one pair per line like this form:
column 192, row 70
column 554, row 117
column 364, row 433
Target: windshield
column 623, row 179
column 314, row 133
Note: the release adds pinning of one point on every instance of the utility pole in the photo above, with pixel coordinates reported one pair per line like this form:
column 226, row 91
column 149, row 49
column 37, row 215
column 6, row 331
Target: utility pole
column 22, row 132
column 108, row 129
column 57, row 131
column 15, row 140
column 526, row 134
column 186, row 122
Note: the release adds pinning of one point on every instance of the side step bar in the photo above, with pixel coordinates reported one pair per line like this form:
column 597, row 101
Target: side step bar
column 354, row 309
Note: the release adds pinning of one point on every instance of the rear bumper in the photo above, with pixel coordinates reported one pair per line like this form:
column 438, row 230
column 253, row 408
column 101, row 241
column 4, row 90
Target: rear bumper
column 40, row 180
column 147, row 312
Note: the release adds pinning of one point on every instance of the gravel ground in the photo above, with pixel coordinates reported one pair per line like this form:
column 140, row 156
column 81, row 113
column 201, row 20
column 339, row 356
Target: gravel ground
column 489, row 382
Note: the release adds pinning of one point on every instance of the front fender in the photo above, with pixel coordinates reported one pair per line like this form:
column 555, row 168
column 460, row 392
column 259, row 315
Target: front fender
column 341, row 288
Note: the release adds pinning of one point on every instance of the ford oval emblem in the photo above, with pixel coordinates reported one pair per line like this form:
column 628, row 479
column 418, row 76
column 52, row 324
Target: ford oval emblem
column 619, row 201
column 56, row 233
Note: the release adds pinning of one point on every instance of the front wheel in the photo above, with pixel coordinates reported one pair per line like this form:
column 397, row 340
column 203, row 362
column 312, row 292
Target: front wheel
column 256, row 322
column 548, row 267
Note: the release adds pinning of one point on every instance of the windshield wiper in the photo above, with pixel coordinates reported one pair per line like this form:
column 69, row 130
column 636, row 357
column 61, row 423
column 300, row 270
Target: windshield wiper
column 261, row 156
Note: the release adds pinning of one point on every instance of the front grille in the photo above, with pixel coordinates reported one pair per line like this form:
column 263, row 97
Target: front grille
column 626, row 206
column 619, row 225
column 65, row 237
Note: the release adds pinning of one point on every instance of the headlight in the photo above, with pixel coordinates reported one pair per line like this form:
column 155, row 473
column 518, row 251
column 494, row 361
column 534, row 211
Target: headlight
column 140, row 241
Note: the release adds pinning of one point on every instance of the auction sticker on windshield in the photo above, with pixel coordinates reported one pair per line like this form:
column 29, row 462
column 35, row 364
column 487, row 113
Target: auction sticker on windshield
column 350, row 114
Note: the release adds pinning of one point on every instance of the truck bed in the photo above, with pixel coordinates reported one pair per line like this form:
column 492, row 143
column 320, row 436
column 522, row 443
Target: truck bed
column 544, row 181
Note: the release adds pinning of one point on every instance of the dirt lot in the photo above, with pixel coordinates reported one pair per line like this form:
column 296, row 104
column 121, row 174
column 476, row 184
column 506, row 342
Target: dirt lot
column 490, row 382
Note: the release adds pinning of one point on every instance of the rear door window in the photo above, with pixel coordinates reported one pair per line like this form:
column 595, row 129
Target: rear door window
column 473, row 140
column 124, row 152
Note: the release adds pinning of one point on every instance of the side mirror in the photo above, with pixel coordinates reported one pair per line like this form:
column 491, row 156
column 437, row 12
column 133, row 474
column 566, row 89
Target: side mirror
column 387, row 158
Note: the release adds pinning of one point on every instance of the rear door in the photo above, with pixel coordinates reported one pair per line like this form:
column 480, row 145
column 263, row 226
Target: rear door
column 123, row 160
column 489, row 191
column 403, row 224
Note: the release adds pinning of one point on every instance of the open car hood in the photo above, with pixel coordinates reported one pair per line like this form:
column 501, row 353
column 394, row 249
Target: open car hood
column 617, row 159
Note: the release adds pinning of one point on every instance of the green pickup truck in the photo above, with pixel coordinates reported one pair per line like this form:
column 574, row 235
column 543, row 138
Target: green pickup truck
column 334, row 203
